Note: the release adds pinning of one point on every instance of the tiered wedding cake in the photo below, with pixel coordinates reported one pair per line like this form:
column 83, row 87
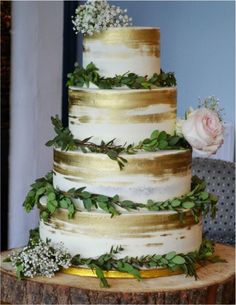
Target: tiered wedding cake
column 129, row 116
column 121, row 197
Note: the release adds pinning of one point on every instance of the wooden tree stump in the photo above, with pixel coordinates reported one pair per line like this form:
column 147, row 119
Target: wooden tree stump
column 214, row 286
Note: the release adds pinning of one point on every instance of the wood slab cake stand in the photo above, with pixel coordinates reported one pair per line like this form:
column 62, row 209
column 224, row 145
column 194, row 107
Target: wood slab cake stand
column 214, row 286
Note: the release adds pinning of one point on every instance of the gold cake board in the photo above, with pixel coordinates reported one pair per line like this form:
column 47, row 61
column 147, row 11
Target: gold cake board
column 149, row 273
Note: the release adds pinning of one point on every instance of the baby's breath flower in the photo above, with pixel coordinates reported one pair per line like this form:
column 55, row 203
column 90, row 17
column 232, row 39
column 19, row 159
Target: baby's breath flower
column 95, row 16
column 40, row 259
column 212, row 103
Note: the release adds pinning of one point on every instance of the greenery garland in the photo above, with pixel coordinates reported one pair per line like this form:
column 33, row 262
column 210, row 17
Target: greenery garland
column 159, row 140
column 172, row 261
column 26, row 265
column 84, row 76
column 197, row 199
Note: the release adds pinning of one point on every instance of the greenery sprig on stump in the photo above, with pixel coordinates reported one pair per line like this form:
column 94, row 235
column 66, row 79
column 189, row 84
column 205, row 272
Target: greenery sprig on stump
column 90, row 74
column 196, row 200
column 29, row 262
column 158, row 140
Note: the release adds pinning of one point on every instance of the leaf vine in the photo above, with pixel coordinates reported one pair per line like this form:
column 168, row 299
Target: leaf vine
column 90, row 74
column 196, row 200
column 159, row 140
column 132, row 265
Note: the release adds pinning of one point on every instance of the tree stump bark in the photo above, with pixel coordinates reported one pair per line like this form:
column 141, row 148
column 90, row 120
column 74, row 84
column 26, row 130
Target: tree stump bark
column 214, row 286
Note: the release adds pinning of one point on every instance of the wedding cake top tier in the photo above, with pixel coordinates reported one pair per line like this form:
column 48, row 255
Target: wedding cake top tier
column 119, row 50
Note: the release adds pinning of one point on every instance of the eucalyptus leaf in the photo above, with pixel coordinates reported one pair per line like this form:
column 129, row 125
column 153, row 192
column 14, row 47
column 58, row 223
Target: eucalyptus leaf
column 88, row 204
column 188, row 204
column 162, row 144
column 204, row 195
column 102, row 198
column 173, row 140
column 155, row 134
column 125, row 267
column 85, row 195
column 170, row 255
column 51, row 196
column 71, row 211
column 175, row 203
column 63, row 203
column 178, row 260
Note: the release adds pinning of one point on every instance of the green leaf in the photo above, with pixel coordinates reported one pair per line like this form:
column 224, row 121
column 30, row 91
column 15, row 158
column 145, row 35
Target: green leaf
column 175, row 203
column 40, row 191
column 44, row 215
column 178, row 260
column 76, row 260
column 173, row 140
column 100, row 275
column 102, row 198
column 163, row 261
column 162, row 136
column 125, row 267
column 170, row 255
column 7, row 260
column 63, row 203
column 31, row 193
column 128, row 204
column 204, row 195
column 115, row 198
column 214, row 198
column 112, row 154
column 51, row 196
column 19, row 271
column 157, row 257
column 71, row 211
column 146, row 141
column 88, row 204
column 34, row 236
column 155, row 134
column 188, row 205
column 52, row 206
column 152, row 264
column 162, row 144
column 85, row 195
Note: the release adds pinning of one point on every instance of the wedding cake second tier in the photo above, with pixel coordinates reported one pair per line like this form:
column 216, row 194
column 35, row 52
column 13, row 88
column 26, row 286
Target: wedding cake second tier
column 126, row 115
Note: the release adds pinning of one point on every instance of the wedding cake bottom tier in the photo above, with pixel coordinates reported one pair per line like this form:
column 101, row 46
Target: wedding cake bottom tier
column 158, row 175
column 91, row 234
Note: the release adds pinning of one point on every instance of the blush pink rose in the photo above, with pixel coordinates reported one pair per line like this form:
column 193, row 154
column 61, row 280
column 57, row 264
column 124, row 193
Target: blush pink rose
column 204, row 131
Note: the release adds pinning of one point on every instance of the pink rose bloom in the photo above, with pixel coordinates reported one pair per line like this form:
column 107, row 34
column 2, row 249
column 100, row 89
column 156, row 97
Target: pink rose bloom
column 204, row 131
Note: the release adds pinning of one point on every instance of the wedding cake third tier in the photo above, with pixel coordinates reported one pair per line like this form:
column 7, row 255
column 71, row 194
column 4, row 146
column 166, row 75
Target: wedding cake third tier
column 128, row 116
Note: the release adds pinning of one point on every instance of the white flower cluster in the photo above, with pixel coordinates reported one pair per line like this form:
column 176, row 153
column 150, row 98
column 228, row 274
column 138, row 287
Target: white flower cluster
column 40, row 259
column 212, row 103
column 96, row 16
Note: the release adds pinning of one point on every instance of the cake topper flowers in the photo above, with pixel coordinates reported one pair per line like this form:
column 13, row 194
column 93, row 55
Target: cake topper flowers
column 203, row 127
column 95, row 16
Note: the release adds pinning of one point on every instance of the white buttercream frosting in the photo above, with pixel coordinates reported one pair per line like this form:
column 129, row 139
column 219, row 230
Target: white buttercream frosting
column 121, row 50
column 98, row 235
column 143, row 177
column 128, row 115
